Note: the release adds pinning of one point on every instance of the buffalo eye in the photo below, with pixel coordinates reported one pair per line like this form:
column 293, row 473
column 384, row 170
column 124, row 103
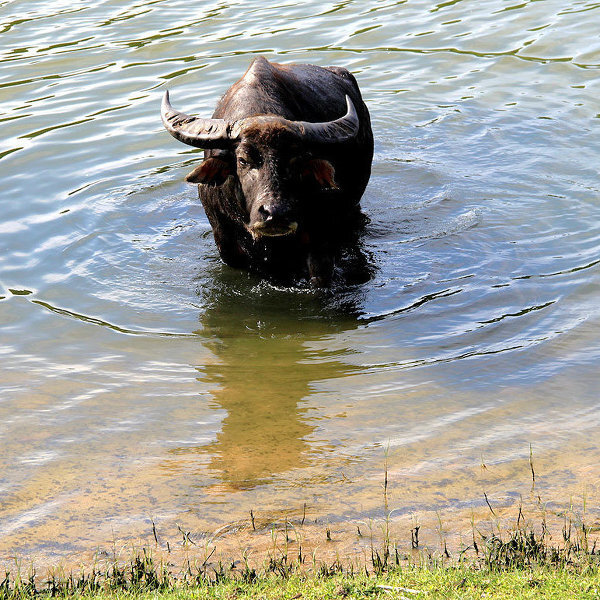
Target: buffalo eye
column 246, row 162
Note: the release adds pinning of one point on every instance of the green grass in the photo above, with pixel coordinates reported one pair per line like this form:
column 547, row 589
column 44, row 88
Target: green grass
column 442, row 583
column 447, row 583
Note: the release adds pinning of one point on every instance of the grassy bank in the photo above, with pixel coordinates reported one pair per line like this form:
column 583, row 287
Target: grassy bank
column 462, row 581
column 520, row 564
column 414, row 583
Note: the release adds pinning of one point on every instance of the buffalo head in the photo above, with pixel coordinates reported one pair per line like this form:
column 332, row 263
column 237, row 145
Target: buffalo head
column 275, row 162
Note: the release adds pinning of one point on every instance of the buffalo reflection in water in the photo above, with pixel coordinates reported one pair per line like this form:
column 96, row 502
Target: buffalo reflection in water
column 265, row 368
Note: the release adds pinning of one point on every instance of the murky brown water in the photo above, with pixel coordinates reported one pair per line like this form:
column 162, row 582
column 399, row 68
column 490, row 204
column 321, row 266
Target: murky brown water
column 143, row 380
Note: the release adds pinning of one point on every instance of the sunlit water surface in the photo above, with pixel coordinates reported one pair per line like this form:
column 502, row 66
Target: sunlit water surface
column 141, row 379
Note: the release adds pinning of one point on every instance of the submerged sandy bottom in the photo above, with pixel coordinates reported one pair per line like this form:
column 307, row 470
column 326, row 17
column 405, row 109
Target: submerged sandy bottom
column 497, row 501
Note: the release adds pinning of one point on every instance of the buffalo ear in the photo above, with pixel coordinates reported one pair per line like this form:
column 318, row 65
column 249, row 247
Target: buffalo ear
column 322, row 172
column 213, row 171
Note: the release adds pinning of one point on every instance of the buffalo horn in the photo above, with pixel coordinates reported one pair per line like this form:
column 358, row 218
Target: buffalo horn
column 194, row 131
column 342, row 129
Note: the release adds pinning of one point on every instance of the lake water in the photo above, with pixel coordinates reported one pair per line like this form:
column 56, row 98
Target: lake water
column 141, row 379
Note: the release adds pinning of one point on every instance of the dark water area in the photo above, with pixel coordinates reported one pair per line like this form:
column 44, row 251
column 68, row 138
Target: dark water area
column 141, row 379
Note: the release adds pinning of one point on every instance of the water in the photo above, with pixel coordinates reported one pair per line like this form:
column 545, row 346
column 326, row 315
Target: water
column 142, row 379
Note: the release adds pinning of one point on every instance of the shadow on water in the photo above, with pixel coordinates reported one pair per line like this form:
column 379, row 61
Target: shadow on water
column 261, row 338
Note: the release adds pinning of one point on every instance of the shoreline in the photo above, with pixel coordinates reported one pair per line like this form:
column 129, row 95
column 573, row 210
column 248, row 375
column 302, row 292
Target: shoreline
column 70, row 535
column 499, row 534
column 521, row 537
column 520, row 563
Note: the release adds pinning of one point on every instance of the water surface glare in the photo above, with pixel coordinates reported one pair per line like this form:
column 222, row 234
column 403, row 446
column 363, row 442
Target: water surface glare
column 141, row 379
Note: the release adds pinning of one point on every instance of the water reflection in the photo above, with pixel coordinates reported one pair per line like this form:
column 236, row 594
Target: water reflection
column 262, row 381
column 265, row 368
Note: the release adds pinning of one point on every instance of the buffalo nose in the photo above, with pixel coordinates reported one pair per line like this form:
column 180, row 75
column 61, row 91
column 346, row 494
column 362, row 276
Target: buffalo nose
column 272, row 212
column 273, row 220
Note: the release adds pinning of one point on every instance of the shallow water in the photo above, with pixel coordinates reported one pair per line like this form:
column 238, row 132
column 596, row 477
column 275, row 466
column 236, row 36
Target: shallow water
column 142, row 379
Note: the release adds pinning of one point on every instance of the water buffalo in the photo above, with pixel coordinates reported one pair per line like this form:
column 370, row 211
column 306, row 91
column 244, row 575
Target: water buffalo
column 287, row 157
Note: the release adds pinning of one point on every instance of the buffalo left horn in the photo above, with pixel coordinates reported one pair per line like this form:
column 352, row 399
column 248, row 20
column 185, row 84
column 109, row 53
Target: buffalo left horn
column 341, row 130
column 195, row 131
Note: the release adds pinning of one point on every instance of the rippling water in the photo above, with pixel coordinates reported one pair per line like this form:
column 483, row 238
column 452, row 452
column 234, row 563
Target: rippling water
column 142, row 379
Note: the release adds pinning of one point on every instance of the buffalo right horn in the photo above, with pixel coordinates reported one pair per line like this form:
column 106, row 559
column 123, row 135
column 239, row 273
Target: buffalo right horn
column 195, row 131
